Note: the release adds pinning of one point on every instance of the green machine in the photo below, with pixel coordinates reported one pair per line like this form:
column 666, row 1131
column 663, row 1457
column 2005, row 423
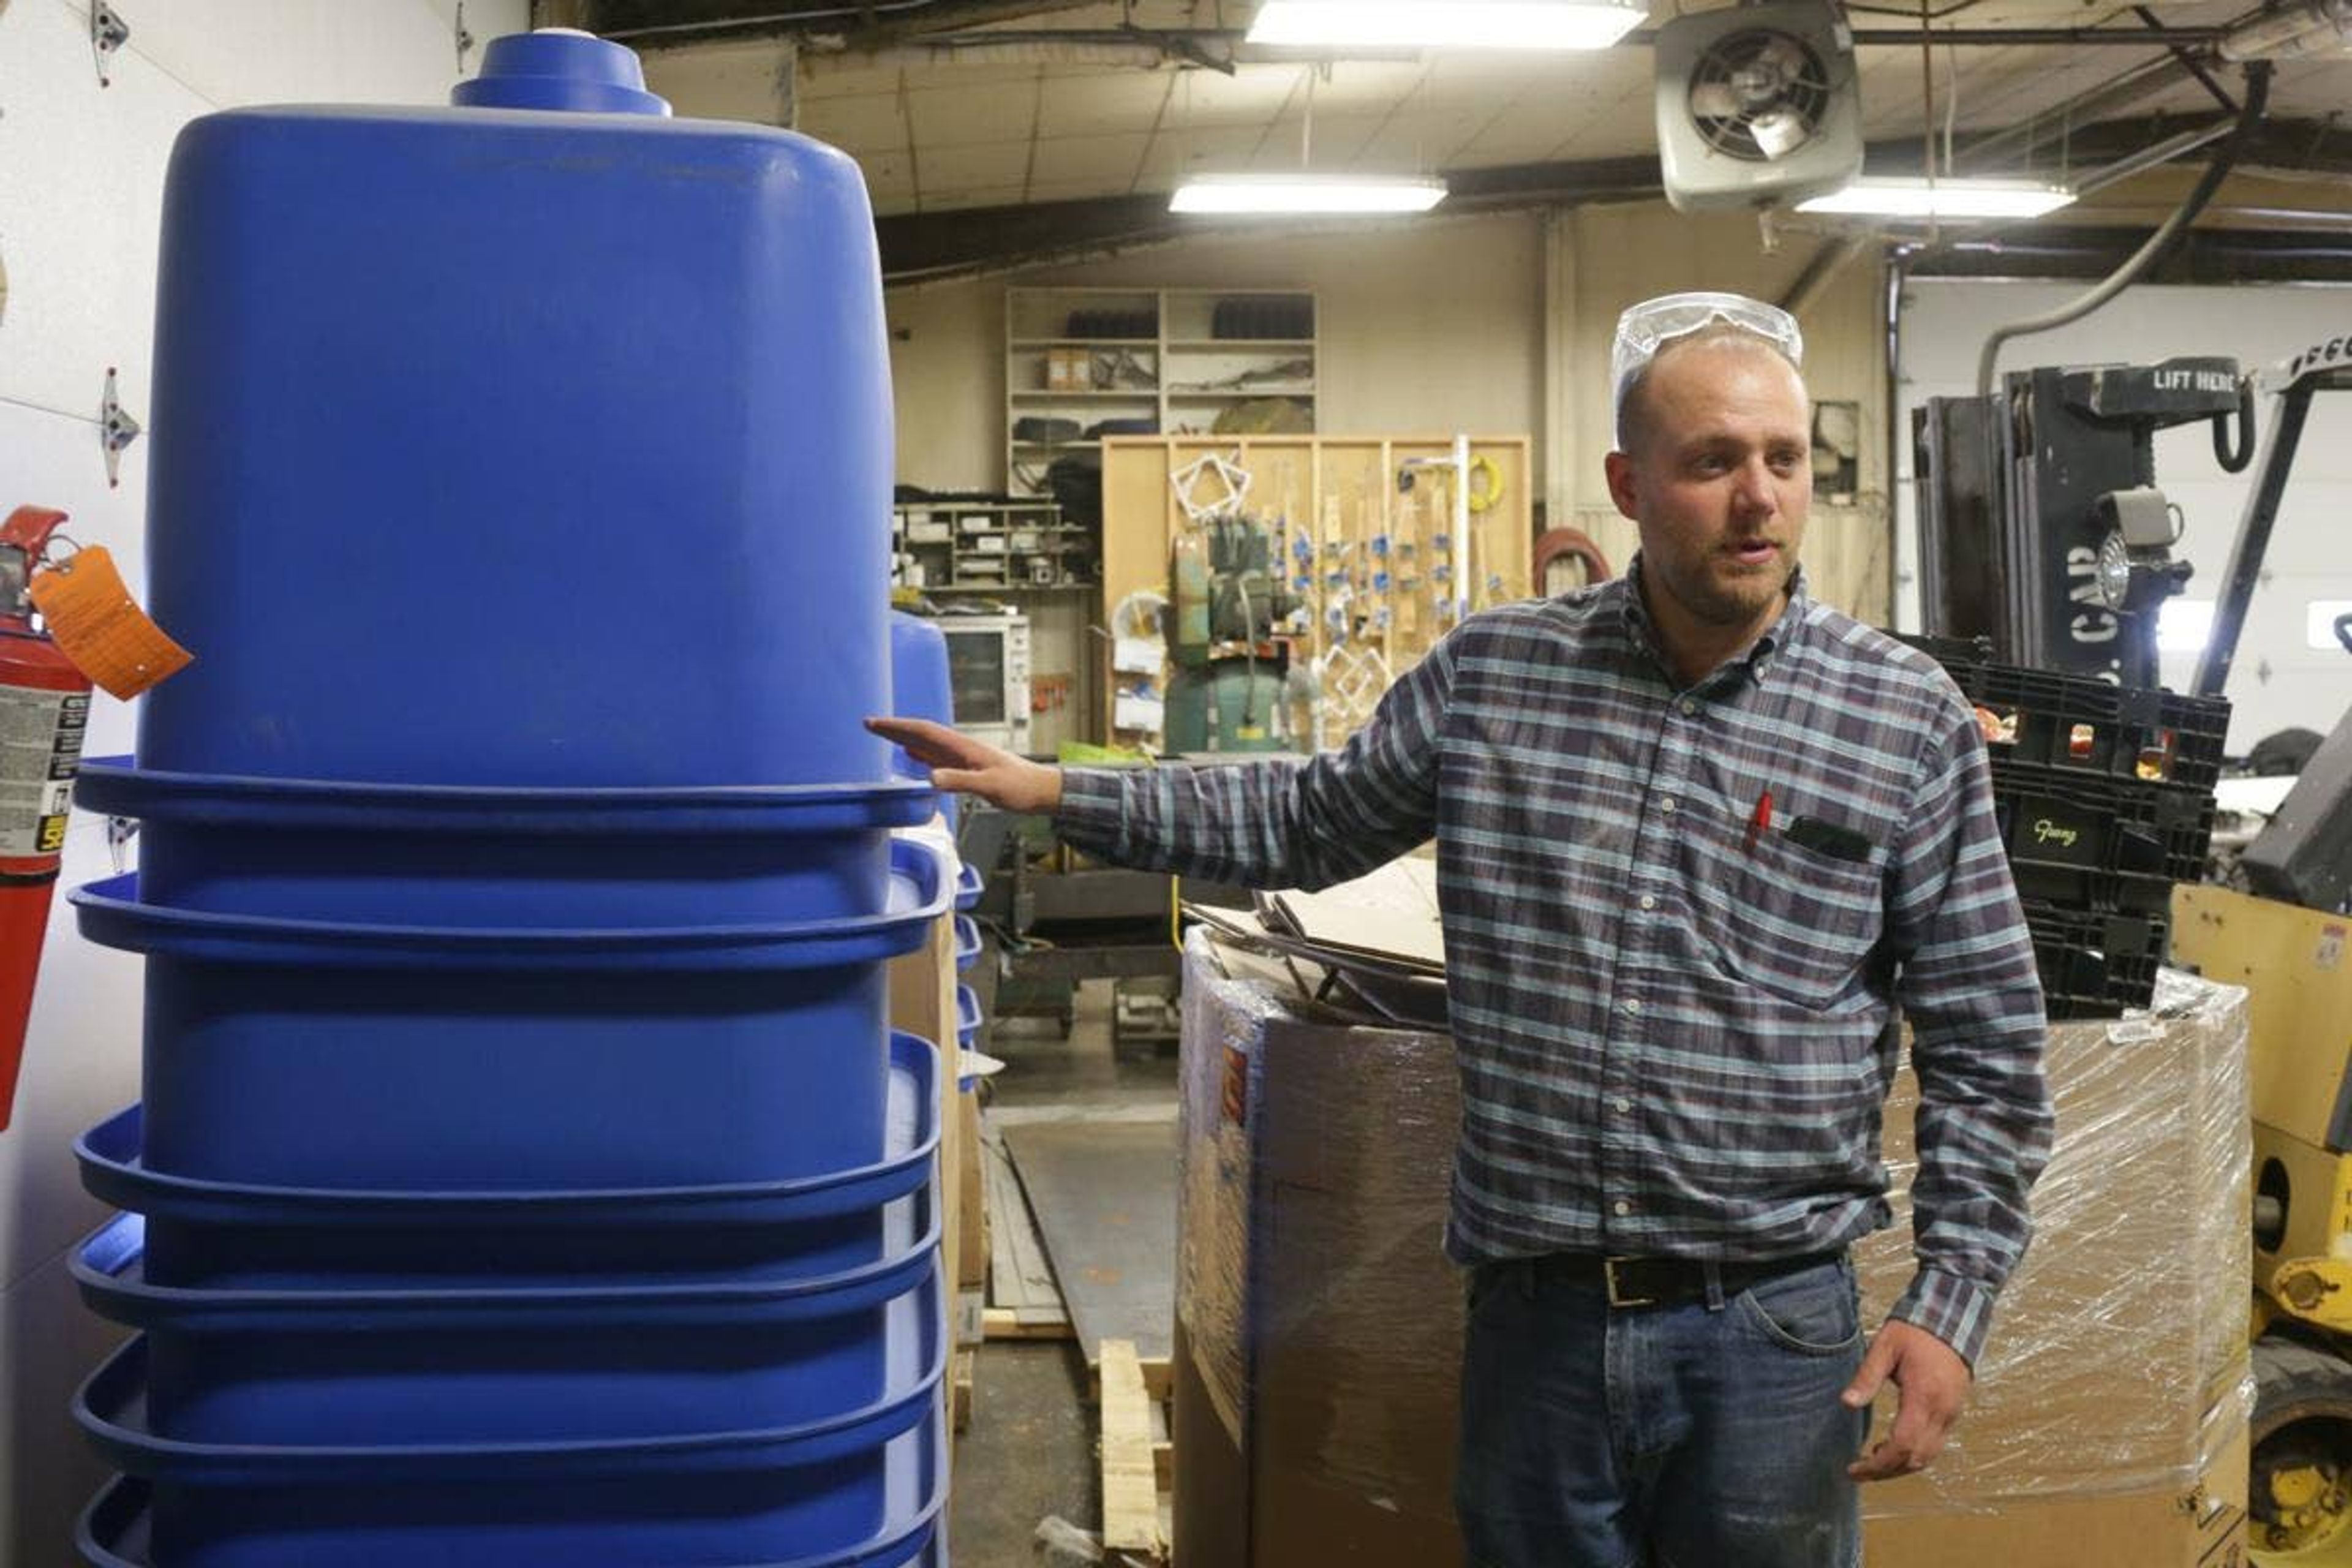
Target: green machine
column 1228, row 689
column 1229, row 705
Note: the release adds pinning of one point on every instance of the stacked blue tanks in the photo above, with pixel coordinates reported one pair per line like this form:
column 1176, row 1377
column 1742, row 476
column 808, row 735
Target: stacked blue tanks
column 923, row 686
column 526, row 1171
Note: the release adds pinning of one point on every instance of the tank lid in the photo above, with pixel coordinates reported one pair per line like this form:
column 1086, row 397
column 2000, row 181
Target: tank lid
column 559, row 67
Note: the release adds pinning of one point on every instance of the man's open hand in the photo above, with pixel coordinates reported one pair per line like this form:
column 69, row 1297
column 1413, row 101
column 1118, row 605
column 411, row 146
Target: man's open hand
column 1931, row 1382
column 961, row 763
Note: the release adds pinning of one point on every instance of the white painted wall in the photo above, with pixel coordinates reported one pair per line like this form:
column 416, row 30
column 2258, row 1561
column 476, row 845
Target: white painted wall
column 1432, row 326
column 2277, row 680
column 81, row 175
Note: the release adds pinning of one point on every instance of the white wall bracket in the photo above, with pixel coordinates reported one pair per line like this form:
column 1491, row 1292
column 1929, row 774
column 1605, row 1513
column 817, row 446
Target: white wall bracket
column 108, row 33
column 116, row 430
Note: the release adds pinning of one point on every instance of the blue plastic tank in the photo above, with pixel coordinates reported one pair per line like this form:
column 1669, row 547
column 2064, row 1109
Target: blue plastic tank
column 922, row 686
column 466, row 1364
column 811, row 1496
column 540, row 440
column 208, row 1234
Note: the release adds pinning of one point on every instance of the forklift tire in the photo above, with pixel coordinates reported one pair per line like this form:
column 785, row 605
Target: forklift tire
column 2299, row 1496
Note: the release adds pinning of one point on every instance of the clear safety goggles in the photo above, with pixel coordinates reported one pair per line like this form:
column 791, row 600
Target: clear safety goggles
column 1649, row 326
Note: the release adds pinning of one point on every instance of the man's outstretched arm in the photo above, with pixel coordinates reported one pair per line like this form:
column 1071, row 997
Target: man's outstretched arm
column 1263, row 824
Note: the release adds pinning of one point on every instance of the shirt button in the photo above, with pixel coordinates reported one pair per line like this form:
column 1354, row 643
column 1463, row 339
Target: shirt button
column 1648, row 903
column 1633, row 1007
column 1667, row 804
column 1689, row 708
column 1621, row 1105
column 1621, row 1208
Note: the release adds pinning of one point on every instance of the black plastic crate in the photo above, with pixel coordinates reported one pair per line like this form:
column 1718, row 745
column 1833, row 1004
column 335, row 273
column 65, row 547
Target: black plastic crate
column 1951, row 652
column 2075, row 888
column 2072, row 723
column 1113, row 324
column 1285, row 317
column 2075, row 722
column 2061, row 820
column 2096, row 966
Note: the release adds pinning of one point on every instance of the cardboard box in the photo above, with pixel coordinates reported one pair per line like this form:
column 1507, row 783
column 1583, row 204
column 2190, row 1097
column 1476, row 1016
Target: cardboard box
column 1319, row 1325
column 2200, row 1525
column 2124, row 1328
column 1069, row 370
column 923, row 1002
column 972, row 1200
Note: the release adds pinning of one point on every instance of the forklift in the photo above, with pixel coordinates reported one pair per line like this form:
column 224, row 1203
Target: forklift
column 2055, row 470
column 2283, row 936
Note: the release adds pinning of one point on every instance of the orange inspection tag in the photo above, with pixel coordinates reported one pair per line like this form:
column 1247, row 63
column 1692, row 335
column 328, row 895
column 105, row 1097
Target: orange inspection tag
column 100, row 626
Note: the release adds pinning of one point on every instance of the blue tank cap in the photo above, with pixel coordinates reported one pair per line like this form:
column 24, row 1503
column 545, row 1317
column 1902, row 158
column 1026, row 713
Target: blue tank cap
column 559, row 67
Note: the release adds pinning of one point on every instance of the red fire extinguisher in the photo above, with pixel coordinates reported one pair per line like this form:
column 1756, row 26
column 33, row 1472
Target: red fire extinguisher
column 43, row 712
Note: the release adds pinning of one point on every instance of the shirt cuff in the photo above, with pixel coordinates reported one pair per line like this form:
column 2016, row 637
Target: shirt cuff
column 1093, row 806
column 1957, row 1311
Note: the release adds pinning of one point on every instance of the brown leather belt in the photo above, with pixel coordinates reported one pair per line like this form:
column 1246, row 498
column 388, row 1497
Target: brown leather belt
column 1666, row 1281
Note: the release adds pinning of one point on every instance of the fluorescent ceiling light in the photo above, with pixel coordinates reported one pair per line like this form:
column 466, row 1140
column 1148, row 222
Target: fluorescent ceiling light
column 1447, row 23
column 1295, row 193
column 1943, row 198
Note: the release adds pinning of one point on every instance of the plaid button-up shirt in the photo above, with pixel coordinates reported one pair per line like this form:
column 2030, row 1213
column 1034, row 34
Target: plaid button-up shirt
column 1672, row 1019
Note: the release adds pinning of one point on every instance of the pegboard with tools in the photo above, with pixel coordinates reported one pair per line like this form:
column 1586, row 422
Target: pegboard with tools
column 1386, row 541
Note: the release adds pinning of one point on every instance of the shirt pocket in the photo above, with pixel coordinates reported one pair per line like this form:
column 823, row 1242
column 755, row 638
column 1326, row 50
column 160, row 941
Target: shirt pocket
column 1791, row 921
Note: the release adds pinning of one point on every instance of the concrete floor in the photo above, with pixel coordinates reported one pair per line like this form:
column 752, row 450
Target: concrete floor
column 1029, row 1450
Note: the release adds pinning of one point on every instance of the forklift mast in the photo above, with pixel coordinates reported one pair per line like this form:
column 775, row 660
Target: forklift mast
column 2041, row 524
column 2041, row 528
column 2305, row 855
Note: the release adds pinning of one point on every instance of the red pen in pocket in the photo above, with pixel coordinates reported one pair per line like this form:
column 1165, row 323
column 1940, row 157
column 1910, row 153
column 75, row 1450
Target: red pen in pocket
column 1761, row 822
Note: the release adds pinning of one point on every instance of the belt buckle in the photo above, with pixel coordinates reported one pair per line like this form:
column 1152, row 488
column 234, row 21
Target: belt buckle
column 1616, row 1298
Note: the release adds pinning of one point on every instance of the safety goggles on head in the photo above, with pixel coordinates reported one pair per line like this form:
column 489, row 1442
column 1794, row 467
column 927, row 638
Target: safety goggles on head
column 1649, row 326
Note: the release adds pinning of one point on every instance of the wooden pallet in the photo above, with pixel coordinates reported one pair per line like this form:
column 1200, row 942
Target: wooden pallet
column 1023, row 1301
column 1138, row 1459
column 961, row 1391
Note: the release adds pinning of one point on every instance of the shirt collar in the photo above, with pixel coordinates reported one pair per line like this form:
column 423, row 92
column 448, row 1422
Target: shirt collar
column 1777, row 637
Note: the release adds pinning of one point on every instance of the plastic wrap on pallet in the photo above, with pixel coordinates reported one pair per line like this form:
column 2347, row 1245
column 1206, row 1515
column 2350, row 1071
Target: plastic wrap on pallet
column 1325, row 1324
column 1224, row 1023
column 2118, row 1362
column 1312, row 1289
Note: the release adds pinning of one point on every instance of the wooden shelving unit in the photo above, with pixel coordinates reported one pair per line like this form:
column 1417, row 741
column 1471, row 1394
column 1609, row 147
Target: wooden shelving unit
column 1381, row 574
column 949, row 546
column 1180, row 375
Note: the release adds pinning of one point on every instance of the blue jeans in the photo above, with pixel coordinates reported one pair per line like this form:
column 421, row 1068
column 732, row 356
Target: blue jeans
column 1701, row 1435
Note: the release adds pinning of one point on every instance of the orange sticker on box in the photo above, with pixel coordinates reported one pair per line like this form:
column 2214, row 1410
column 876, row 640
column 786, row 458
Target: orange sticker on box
column 101, row 627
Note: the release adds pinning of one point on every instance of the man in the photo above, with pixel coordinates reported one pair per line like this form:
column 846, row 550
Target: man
column 1697, row 836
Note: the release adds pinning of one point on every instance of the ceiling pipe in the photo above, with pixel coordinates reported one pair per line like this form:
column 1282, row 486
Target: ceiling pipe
column 879, row 20
column 1232, row 40
column 2140, row 163
column 2144, row 80
column 2258, row 92
column 2305, row 27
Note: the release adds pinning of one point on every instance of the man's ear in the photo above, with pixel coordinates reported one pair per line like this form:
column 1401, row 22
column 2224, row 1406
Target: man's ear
column 1622, row 489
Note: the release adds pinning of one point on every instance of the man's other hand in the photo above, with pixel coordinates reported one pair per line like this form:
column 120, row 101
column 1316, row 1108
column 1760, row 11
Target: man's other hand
column 1931, row 1382
column 968, row 766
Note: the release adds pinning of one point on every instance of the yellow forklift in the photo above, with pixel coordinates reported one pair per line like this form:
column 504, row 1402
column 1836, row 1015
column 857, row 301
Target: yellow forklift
column 2285, row 937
